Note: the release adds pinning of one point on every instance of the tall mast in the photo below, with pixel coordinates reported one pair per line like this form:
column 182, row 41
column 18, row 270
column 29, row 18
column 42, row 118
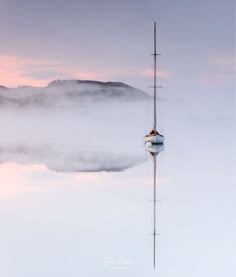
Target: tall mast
column 155, row 79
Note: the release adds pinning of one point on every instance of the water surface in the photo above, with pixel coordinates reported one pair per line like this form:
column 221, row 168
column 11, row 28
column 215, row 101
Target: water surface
column 76, row 192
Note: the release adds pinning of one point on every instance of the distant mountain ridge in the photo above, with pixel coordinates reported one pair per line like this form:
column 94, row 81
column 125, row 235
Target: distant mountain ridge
column 88, row 82
column 3, row 87
column 70, row 91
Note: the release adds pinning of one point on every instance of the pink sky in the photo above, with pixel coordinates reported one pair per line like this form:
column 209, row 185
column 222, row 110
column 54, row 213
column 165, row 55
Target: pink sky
column 14, row 72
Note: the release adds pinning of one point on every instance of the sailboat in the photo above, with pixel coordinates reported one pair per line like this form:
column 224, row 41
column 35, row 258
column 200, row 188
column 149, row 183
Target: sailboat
column 153, row 137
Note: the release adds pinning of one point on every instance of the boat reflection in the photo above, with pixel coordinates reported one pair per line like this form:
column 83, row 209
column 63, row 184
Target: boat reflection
column 154, row 148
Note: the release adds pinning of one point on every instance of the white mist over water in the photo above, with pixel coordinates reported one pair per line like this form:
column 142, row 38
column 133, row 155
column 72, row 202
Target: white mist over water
column 74, row 139
column 59, row 218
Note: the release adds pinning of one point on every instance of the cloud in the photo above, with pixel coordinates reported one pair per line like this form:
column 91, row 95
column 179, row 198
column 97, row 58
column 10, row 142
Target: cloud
column 220, row 71
column 222, row 60
column 19, row 71
column 13, row 68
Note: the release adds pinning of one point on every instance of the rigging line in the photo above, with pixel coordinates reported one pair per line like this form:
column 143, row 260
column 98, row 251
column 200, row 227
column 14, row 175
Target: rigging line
column 150, row 108
column 159, row 126
column 158, row 104
column 159, row 81
column 145, row 122
column 159, row 115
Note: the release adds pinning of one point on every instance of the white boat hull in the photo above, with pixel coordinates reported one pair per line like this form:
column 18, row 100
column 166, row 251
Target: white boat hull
column 156, row 139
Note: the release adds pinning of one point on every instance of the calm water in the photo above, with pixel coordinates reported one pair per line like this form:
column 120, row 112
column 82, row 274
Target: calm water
column 76, row 193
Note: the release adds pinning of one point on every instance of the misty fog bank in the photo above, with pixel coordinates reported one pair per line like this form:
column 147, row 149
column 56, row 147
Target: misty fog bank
column 69, row 92
column 73, row 134
column 98, row 138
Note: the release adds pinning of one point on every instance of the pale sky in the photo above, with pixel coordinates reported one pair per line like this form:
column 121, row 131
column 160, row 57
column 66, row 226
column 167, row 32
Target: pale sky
column 111, row 41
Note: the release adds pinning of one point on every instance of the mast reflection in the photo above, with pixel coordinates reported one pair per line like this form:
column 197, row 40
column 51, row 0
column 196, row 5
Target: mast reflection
column 154, row 150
